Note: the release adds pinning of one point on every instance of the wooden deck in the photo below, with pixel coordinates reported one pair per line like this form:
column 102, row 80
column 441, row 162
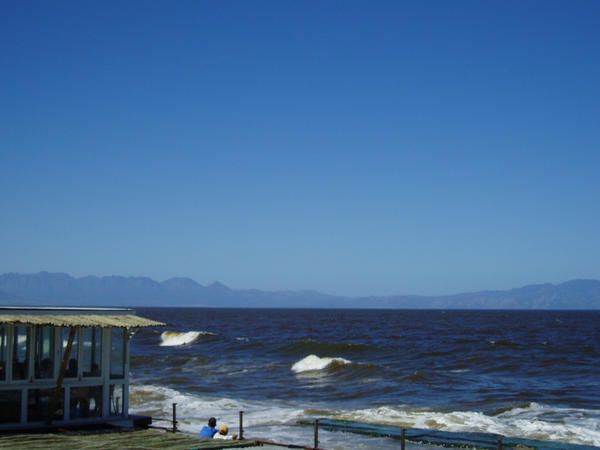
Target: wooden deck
column 116, row 439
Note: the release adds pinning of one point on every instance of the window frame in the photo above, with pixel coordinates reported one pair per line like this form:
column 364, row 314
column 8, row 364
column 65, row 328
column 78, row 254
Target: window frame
column 99, row 339
column 4, row 353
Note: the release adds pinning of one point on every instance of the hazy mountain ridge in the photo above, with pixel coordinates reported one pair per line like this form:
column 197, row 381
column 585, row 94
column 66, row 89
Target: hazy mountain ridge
column 46, row 288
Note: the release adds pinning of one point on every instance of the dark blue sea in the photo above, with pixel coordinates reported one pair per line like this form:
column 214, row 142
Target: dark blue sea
column 532, row 374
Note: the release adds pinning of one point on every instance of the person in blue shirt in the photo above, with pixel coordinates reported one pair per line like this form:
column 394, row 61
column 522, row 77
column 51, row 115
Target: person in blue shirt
column 208, row 431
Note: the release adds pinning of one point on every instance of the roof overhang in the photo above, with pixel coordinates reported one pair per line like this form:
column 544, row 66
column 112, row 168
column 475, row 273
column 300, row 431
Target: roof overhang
column 79, row 320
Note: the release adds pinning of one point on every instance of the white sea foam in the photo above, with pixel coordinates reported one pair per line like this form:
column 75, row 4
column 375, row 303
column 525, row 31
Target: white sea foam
column 276, row 419
column 314, row 363
column 577, row 426
column 172, row 338
column 194, row 410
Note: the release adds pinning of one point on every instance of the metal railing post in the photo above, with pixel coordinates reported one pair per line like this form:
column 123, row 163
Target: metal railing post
column 241, row 425
column 500, row 446
column 403, row 441
column 174, row 417
column 316, row 433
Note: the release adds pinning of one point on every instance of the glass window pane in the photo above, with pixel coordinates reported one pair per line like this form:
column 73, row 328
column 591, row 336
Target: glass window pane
column 117, row 353
column 71, row 369
column 116, row 400
column 38, row 404
column 21, row 353
column 86, row 402
column 3, row 351
column 44, row 352
column 10, row 406
column 91, row 359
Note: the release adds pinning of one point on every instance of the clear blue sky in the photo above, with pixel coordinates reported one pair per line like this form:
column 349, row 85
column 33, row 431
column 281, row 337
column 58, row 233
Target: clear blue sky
column 350, row 147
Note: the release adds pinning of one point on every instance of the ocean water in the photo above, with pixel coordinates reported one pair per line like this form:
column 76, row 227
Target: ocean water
column 527, row 374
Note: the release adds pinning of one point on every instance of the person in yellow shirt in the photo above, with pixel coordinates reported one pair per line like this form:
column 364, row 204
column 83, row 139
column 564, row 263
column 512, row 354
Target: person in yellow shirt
column 222, row 433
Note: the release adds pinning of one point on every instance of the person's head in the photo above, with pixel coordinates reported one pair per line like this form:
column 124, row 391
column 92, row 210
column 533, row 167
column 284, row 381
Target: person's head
column 212, row 422
column 224, row 430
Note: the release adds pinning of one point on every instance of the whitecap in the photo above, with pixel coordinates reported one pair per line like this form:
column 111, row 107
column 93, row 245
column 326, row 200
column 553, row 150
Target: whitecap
column 172, row 338
column 314, row 363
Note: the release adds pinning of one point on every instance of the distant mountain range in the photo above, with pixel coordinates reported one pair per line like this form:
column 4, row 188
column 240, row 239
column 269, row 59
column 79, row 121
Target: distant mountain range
column 60, row 289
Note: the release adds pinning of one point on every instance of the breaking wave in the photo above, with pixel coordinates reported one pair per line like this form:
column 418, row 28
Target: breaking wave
column 313, row 363
column 278, row 418
column 194, row 410
column 173, row 338
column 532, row 421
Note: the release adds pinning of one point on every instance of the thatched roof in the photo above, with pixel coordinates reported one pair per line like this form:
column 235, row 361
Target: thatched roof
column 80, row 320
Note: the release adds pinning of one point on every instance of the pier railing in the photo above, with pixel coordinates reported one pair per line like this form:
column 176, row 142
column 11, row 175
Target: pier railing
column 483, row 441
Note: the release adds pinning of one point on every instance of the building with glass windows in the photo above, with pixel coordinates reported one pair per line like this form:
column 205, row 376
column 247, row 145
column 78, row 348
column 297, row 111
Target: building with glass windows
column 65, row 366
